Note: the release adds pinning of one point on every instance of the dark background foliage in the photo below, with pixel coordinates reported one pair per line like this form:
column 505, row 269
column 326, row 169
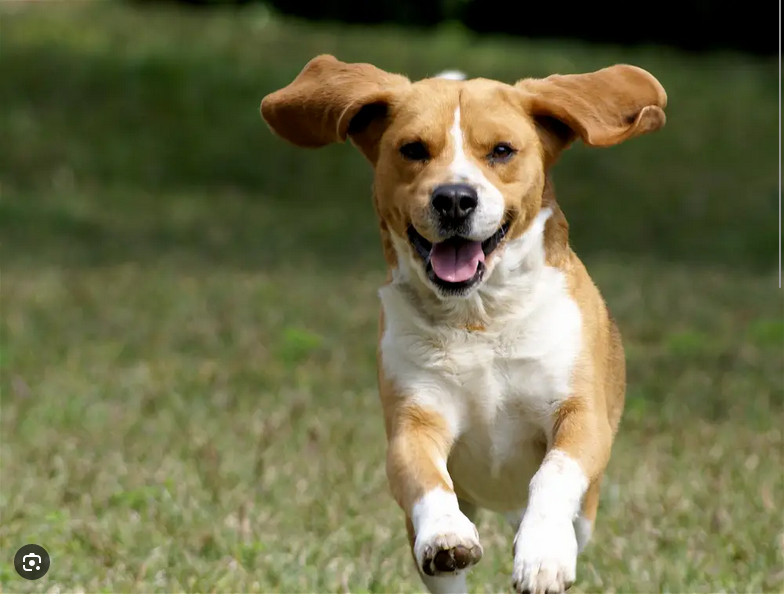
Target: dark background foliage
column 694, row 25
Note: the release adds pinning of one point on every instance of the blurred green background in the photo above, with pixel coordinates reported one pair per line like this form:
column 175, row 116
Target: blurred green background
column 189, row 311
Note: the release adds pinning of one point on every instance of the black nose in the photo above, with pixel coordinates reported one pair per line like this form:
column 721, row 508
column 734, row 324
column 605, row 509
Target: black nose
column 454, row 202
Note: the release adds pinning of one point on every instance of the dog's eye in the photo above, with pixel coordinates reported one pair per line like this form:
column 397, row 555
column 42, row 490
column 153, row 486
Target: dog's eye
column 501, row 153
column 415, row 151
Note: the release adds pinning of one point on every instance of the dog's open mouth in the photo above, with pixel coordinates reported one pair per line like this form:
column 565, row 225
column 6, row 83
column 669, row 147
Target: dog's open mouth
column 456, row 263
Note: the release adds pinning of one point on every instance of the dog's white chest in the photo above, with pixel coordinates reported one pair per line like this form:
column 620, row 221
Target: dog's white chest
column 497, row 389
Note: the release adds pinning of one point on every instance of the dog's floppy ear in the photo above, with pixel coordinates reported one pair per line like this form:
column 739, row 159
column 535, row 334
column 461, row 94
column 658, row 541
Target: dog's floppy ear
column 330, row 101
column 602, row 108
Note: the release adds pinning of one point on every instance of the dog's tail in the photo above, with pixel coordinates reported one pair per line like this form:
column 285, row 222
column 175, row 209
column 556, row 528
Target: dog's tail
column 451, row 75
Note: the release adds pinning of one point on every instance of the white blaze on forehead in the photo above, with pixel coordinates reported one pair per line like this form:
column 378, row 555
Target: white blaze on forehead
column 490, row 211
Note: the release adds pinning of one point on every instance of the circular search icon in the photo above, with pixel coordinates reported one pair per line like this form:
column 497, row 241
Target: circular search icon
column 32, row 562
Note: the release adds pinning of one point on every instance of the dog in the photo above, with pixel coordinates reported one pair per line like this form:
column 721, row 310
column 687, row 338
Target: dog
column 501, row 371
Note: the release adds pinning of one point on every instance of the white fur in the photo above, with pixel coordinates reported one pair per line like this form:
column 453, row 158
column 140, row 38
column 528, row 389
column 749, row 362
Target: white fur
column 497, row 389
column 446, row 584
column 546, row 545
column 439, row 524
column 488, row 216
column 583, row 527
column 451, row 75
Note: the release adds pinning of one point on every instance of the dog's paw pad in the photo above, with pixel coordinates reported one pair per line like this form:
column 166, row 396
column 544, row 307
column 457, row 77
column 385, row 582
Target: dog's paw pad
column 447, row 546
column 450, row 560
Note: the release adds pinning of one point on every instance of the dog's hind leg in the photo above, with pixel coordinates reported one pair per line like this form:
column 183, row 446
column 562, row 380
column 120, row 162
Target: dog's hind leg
column 469, row 509
column 583, row 523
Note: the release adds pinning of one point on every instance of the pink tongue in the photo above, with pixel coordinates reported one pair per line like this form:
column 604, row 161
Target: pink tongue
column 456, row 263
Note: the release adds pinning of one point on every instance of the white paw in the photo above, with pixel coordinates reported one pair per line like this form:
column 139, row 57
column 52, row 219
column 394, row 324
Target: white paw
column 545, row 560
column 447, row 544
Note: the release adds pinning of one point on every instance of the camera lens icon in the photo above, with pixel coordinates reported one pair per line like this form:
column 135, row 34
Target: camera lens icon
column 31, row 562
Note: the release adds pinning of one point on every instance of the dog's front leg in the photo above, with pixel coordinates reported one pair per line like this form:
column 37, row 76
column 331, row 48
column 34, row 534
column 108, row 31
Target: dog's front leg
column 444, row 541
column 546, row 546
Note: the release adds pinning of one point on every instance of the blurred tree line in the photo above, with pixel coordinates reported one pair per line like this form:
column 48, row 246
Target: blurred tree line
column 696, row 25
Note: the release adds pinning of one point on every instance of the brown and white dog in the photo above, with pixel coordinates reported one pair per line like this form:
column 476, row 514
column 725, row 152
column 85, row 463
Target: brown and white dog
column 501, row 371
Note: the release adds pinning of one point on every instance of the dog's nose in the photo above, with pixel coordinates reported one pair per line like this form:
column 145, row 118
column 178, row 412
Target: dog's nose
column 454, row 202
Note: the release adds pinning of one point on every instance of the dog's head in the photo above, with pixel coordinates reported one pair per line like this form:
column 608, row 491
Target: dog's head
column 459, row 165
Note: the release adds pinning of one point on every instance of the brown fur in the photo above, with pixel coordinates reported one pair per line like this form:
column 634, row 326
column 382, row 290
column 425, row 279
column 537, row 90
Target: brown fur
column 330, row 101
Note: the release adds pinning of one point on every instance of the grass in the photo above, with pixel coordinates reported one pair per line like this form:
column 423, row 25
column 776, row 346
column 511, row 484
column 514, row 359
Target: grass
column 189, row 314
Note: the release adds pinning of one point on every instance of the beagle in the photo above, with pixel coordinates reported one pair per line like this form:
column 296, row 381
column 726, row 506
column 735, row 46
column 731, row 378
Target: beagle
column 501, row 371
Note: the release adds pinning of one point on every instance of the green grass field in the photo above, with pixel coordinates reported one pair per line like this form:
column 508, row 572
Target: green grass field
column 189, row 313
